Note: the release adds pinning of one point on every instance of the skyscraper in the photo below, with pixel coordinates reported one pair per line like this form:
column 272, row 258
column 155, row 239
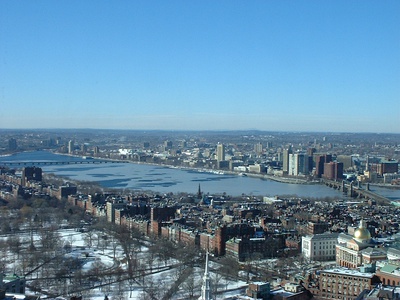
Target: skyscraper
column 286, row 153
column 347, row 161
column 220, row 152
column 333, row 170
column 71, row 147
column 367, row 164
column 320, row 162
column 298, row 164
column 96, row 150
column 258, row 148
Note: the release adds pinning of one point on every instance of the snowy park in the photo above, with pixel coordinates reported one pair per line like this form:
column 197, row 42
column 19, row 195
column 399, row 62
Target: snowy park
column 60, row 262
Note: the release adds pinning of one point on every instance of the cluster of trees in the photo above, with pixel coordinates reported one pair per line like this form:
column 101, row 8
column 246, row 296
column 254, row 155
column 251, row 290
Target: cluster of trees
column 31, row 246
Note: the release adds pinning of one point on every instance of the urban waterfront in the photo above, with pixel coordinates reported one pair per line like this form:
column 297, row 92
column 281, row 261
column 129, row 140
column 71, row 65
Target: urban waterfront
column 164, row 179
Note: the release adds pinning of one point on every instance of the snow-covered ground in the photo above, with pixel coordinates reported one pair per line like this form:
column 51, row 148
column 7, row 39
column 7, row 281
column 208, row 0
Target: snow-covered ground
column 110, row 256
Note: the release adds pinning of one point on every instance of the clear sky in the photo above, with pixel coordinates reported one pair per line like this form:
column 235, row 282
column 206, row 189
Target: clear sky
column 267, row 65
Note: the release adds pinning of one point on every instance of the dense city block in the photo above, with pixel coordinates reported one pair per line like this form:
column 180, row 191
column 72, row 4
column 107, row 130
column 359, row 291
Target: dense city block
column 280, row 247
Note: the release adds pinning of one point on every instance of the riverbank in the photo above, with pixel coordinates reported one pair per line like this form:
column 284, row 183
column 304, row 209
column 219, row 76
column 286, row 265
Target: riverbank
column 237, row 173
column 162, row 178
column 385, row 186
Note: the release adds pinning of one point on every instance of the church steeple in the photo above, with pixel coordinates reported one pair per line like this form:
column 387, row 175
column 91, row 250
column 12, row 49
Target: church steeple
column 199, row 193
column 206, row 287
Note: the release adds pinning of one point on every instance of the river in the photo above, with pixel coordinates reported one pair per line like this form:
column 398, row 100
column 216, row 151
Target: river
column 164, row 179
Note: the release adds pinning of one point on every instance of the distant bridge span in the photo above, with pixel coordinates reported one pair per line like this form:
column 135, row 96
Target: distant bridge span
column 355, row 191
column 49, row 163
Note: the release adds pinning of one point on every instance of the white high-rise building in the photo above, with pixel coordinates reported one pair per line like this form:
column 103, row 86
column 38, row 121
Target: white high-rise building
column 220, row 152
column 71, row 147
column 298, row 164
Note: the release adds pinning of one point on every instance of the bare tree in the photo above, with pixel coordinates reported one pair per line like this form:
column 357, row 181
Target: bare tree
column 190, row 285
column 165, row 249
column 216, row 281
column 103, row 244
column 3, row 256
column 49, row 238
column 14, row 244
column 89, row 238
column 229, row 269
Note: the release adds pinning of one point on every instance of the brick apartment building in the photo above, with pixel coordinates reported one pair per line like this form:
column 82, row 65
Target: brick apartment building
column 344, row 284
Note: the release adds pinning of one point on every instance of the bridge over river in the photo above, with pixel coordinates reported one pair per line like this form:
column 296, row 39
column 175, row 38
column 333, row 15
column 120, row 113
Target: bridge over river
column 49, row 163
column 356, row 191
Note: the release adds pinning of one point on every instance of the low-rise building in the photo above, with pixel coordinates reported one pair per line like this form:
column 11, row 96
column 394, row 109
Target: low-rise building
column 259, row 290
column 352, row 252
column 389, row 274
column 381, row 292
column 12, row 283
column 320, row 247
column 344, row 284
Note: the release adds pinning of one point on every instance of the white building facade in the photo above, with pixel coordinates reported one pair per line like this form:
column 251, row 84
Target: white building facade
column 298, row 164
column 319, row 247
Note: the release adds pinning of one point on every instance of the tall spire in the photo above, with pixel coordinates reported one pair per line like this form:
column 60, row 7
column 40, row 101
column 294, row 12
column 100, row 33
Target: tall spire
column 206, row 288
column 199, row 193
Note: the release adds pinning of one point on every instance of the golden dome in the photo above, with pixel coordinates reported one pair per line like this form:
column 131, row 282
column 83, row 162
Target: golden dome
column 362, row 233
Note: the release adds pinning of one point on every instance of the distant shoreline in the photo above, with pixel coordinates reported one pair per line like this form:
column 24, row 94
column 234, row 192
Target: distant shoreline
column 284, row 180
column 287, row 180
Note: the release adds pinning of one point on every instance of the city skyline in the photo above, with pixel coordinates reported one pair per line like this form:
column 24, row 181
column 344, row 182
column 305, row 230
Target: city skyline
column 274, row 66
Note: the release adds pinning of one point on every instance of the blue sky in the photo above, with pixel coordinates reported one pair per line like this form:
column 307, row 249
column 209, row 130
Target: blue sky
column 267, row 65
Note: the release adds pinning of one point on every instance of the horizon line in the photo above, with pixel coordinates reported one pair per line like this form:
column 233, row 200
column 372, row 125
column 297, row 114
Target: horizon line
column 198, row 130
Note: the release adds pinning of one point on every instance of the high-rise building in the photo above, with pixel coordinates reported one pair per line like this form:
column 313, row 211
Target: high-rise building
column 319, row 164
column 12, row 144
column 71, row 147
column 280, row 156
column 311, row 151
column 347, row 161
column 167, row 145
column 258, row 148
column 333, row 170
column 183, row 144
column 303, row 163
column 298, row 164
column 292, row 165
column 84, row 148
column 96, row 150
column 220, row 152
column 285, row 166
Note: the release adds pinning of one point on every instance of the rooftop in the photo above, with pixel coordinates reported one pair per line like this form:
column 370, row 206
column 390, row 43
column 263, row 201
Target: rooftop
column 348, row 272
